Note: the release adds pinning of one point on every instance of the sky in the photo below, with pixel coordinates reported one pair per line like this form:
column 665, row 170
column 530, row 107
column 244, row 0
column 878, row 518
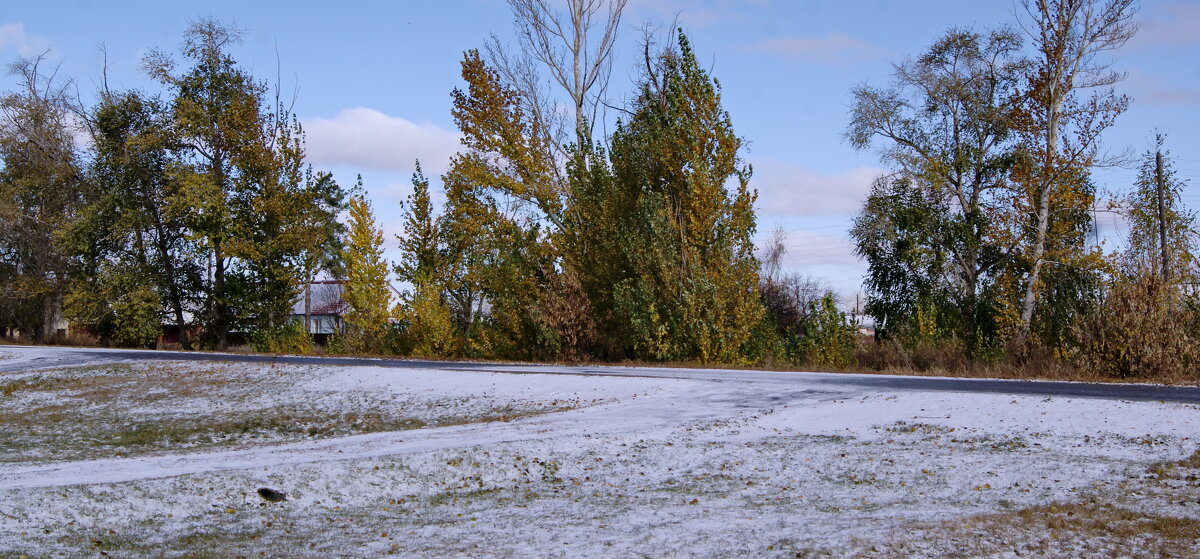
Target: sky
column 371, row 82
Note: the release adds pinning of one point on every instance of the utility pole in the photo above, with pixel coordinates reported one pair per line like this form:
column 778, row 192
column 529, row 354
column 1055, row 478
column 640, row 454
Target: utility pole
column 1162, row 214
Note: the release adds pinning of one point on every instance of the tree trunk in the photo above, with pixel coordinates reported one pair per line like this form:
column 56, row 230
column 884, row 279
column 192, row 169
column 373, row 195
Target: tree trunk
column 172, row 286
column 308, row 306
column 220, row 320
column 1048, row 170
column 1039, row 252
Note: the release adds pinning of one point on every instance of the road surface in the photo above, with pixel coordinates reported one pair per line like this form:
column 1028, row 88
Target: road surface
column 40, row 357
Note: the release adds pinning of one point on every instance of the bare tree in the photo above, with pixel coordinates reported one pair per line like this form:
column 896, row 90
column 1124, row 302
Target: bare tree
column 770, row 255
column 1069, row 36
column 575, row 49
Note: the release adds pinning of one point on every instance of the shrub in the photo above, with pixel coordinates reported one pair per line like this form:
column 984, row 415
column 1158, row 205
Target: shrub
column 287, row 338
column 827, row 339
column 565, row 328
column 1142, row 328
column 135, row 317
column 429, row 328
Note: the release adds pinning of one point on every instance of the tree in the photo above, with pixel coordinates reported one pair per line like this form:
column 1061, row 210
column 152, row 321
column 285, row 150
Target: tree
column 945, row 123
column 689, row 275
column 132, row 262
column 366, row 287
column 39, row 194
column 1147, row 227
column 566, row 48
column 1061, row 127
column 261, row 218
column 290, row 224
column 575, row 48
column 432, row 263
column 500, row 203
column 216, row 115
column 419, row 241
column 897, row 234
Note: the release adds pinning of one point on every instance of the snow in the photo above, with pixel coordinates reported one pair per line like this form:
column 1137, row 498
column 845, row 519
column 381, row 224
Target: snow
column 730, row 464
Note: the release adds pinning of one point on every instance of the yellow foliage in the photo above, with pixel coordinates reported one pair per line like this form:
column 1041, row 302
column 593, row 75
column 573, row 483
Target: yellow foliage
column 366, row 288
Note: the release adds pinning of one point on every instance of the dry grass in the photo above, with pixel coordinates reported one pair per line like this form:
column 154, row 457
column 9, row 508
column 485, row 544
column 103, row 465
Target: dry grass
column 1088, row 529
column 1155, row 516
column 125, row 410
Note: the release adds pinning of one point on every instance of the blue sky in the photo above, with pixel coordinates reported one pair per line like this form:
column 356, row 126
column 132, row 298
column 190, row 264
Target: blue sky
column 373, row 82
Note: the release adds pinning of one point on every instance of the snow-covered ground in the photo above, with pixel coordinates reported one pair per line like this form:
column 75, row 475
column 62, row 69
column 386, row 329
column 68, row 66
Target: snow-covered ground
column 485, row 464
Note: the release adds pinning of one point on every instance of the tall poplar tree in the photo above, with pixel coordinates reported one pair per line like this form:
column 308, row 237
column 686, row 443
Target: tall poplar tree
column 689, row 276
column 430, row 262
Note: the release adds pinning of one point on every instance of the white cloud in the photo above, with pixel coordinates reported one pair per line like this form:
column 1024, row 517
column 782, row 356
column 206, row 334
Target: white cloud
column 14, row 37
column 368, row 139
column 806, row 247
column 1169, row 24
column 1172, row 96
column 833, row 48
column 1157, row 89
column 790, row 190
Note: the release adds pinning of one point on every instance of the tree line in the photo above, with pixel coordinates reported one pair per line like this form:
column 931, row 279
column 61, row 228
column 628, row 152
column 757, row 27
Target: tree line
column 192, row 206
column 982, row 241
column 195, row 206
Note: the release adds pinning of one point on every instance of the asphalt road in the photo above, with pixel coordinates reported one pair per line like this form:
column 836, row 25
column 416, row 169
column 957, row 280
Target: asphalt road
column 60, row 357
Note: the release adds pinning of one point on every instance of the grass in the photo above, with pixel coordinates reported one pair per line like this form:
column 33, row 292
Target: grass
column 404, row 502
column 1091, row 529
column 127, row 410
column 1157, row 515
column 268, row 424
column 135, row 407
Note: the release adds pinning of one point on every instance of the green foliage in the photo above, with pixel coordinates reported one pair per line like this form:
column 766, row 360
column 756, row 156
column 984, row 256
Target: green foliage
column 136, row 318
column 117, row 305
column 128, row 257
column 895, row 234
column 827, row 339
column 803, row 324
column 419, row 242
column 687, row 276
column 489, row 248
column 288, row 337
column 429, row 331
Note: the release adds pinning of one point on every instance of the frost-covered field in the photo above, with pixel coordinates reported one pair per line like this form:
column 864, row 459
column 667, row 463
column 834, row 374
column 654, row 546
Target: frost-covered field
column 163, row 459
